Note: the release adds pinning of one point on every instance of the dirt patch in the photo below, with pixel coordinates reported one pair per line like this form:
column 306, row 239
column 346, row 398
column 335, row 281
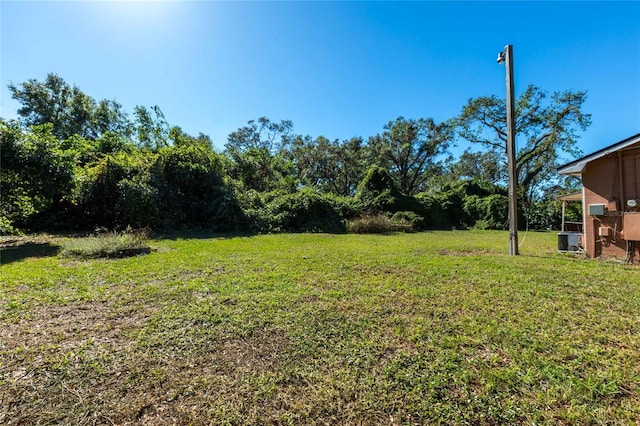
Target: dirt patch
column 463, row 253
column 68, row 326
column 263, row 351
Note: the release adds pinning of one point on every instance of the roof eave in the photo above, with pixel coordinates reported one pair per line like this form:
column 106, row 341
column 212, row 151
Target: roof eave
column 576, row 167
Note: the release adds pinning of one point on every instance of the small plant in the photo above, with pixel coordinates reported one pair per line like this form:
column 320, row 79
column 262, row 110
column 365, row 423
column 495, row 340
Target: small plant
column 378, row 224
column 108, row 244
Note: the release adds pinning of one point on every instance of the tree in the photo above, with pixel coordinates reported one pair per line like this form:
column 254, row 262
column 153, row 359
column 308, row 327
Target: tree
column 36, row 174
column 258, row 169
column 484, row 166
column 546, row 128
column 108, row 116
column 275, row 137
column 151, row 127
column 330, row 166
column 179, row 138
column 411, row 148
column 257, row 153
column 68, row 109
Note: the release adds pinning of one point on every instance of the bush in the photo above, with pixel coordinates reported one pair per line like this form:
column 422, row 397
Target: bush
column 412, row 218
column 377, row 193
column 137, row 203
column 304, row 211
column 467, row 202
column 433, row 214
column 488, row 212
column 109, row 245
column 547, row 215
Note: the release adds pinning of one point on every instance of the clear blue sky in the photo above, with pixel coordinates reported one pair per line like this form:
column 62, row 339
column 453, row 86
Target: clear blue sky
column 338, row 69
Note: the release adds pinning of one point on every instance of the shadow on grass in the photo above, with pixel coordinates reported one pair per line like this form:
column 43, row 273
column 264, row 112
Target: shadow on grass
column 19, row 252
column 199, row 234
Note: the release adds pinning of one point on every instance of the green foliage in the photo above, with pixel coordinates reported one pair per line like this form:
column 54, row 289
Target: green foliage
column 152, row 129
column 137, row 204
column 378, row 192
column 36, row 173
column 303, row 211
column 412, row 218
column 411, row 150
column 261, row 134
column 434, row 215
column 488, row 212
column 260, row 170
column 69, row 111
column 110, row 245
column 547, row 126
column 99, row 193
column 331, row 166
column 83, row 164
column 175, row 187
column 547, row 214
column 467, row 202
column 191, row 188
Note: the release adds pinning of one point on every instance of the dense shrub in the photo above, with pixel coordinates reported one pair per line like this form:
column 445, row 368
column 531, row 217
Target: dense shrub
column 488, row 212
column 36, row 174
column 108, row 186
column 471, row 203
column 547, row 215
column 434, row 215
column 304, row 211
column 377, row 193
column 412, row 218
column 176, row 187
column 137, row 203
column 188, row 179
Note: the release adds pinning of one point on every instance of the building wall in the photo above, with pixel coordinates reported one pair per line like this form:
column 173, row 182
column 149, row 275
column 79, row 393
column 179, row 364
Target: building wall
column 611, row 180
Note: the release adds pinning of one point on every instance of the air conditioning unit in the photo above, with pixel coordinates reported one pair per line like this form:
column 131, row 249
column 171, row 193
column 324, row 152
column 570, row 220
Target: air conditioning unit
column 597, row 209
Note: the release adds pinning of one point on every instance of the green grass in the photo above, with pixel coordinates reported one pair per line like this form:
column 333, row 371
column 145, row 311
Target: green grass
column 434, row 327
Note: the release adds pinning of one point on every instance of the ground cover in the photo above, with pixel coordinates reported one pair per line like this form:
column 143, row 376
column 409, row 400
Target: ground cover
column 433, row 327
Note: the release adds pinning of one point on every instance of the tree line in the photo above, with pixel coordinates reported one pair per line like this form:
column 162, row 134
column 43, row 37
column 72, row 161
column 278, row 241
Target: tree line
column 71, row 162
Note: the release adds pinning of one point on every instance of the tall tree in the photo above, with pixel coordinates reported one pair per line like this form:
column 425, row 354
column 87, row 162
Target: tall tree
column 69, row 110
column 263, row 133
column 412, row 149
column 151, row 127
column 484, row 166
column 546, row 128
column 331, row 166
column 108, row 116
column 258, row 155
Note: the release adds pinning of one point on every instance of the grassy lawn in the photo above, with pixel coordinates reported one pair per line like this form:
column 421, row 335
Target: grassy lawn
column 434, row 327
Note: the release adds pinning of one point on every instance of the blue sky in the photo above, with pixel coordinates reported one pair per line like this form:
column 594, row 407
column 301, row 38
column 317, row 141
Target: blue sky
column 338, row 69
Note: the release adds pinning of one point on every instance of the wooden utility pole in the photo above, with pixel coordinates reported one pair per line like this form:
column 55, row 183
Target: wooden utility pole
column 507, row 57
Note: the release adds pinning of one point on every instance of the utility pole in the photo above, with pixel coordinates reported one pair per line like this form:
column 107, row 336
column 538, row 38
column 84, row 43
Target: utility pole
column 506, row 57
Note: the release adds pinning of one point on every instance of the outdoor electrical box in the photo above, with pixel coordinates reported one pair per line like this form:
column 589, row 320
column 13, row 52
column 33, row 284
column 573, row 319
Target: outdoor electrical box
column 597, row 209
column 631, row 227
column 604, row 231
